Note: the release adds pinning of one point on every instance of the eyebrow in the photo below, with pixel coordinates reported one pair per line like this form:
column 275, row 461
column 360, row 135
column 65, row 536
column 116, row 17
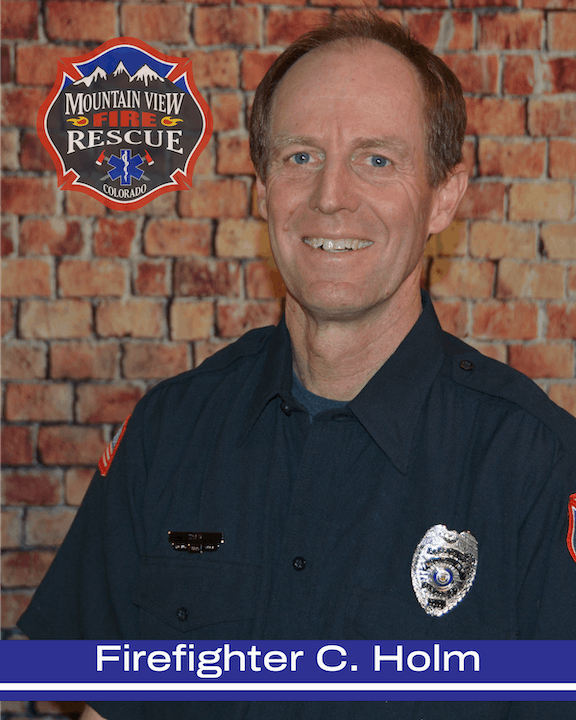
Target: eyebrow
column 386, row 142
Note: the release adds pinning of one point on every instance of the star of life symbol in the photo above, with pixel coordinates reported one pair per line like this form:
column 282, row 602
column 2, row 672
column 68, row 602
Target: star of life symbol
column 125, row 167
column 132, row 109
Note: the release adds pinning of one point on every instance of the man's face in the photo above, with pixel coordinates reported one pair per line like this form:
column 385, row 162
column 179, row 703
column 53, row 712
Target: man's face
column 346, row 197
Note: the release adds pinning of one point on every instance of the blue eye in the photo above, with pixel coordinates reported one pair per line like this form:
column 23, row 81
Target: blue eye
column 301, row 158
column 378, row 161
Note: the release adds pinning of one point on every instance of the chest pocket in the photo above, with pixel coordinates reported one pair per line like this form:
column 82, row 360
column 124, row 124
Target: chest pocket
column 188, row 597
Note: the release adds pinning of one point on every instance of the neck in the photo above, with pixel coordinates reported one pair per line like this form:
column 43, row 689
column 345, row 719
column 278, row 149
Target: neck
column 337, row 358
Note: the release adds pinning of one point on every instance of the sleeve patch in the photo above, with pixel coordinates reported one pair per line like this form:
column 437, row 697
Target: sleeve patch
column 108, row 454
column 571, row 537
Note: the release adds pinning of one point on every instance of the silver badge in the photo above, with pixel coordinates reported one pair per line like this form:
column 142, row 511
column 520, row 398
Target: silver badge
column 443, row 568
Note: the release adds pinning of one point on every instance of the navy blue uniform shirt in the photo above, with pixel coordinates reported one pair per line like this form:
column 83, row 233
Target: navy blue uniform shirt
column 321, row 519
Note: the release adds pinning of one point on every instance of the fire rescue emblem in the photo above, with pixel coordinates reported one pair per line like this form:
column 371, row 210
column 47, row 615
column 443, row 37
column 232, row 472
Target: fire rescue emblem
column 571, row 537
column 124, row 123
column 443, row 568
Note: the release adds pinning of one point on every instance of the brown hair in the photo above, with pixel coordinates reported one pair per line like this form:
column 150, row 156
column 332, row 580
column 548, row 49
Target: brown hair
column 444, row 110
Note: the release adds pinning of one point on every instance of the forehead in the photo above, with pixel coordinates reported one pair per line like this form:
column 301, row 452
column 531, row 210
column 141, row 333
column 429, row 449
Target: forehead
column 341, row 77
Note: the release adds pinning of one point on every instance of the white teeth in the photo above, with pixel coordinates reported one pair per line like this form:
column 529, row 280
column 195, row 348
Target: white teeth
column 337, row 245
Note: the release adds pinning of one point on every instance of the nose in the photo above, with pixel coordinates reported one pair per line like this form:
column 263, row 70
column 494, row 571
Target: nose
column 334, row 189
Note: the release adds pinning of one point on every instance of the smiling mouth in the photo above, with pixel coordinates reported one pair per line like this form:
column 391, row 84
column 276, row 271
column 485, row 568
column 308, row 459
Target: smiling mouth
column 342, row 245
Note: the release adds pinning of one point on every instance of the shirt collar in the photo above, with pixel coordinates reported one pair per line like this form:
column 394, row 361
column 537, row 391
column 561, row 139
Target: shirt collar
column 389, row 405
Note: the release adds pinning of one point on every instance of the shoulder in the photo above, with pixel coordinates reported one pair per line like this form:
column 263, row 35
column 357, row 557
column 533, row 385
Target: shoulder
column 500, row 383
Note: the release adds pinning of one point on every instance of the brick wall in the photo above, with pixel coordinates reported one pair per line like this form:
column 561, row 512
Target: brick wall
column 99, row 305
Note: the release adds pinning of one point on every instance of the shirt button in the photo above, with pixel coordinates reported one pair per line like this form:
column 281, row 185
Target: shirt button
column 182, row 614
column 286, row 409
column 299, row 563
column 466, row 365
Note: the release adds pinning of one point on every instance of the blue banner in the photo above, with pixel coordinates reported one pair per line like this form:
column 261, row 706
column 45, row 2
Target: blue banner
column 287, row 670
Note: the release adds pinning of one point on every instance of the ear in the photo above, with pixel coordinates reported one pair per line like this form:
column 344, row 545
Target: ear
column 261, row 197
column 447, row 199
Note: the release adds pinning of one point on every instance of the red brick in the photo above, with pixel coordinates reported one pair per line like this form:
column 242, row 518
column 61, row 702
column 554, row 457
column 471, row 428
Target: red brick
column 560, row 75
column 20, row 106
column 138, row 317
column 37, row 64
column 106, row 403
column 461, row 31
column 76, row 482
column 25, row 569
column 205, row 164
column 541, row 201
column 7, row 234
column 12, row 533
column 6, row 64
column 532, row 280
column 164, row 204
column 561, row 320
column 572, row 279
column 551, row 4
column 356, row 3
column 55, row 319
column 10, row 160
column 82, row 360
column 496, row 240
column 425, row 26
column 453, row 316
column 510, row 31
column 204, row 350
column 515, row 157
column 449, row 242
column 555, row 116
column 263, row 281
column 191, row 320
column 78, row 203
column 461, row 277
column 152, row 278
column 81, row 278
column 227, row 26
column 205, row 277
column 25, row 277
column 241, row 238
column 226, row 108
column 70, row 445
column 177, row 237
column 542, row 361
column 17, row 446
column 495, row 116
column 114, row 238
column 155, row 360
column 519, row 75
column 38, row 401
column 33, row 155
column 7, row 316
column 483, row 200
column 564, row 395
column 477, row 73
column 562, row 159
column 505, row 320
column 561, row 31
column 236, row 318
column 31, row 487
column 215, row 199
column 164, row 23
column 216, row 69
column 255, row 64
column 485, row 3
column 23, row 361
column 234, row 156
column 559, row 241
column 48, row 526
column 80, row 20
column 284, row 26
column 20, row 20
column 52, row 236
column 29, row 195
